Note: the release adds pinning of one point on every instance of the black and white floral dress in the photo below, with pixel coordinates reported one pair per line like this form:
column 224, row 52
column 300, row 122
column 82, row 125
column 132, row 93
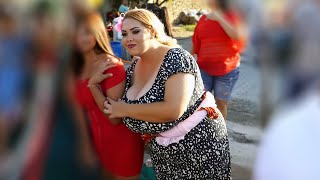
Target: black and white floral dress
column 204, row 152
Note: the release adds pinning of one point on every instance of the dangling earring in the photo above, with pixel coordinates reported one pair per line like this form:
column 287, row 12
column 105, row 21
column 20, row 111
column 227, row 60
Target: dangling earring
column 153, row 36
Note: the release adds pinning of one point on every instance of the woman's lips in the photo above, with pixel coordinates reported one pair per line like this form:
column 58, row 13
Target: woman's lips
column 130, row 46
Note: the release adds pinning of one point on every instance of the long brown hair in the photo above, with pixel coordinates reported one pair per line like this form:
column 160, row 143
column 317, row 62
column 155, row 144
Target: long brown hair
column 96, row 25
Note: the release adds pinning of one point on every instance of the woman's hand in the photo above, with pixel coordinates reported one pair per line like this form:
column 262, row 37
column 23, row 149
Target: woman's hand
column 115, row 109
column 99, row 75
column 232, row 30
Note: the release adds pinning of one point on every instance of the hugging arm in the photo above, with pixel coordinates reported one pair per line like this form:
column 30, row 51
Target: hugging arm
column 178, row 91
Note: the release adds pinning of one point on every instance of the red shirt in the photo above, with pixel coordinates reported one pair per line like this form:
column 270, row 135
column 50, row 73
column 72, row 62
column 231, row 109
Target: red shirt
column 217, row 53
column 120, row 150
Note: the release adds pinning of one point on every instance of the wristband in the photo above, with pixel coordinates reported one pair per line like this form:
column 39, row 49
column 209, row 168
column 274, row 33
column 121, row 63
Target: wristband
column 93, row 85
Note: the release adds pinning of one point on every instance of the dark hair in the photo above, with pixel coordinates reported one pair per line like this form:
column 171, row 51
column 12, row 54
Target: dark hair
column 77, row 59
column 4, row 14
column 223, row 4
column 77, row 62
column 166, row 21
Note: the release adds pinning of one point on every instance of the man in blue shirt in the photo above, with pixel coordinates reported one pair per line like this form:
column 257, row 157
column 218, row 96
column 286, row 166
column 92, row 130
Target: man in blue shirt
column 124, row 7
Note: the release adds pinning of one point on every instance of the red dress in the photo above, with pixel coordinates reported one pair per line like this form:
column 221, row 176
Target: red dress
column 120, row 150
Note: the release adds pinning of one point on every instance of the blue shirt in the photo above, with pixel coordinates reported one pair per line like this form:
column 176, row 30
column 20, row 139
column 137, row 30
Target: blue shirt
column 12, row 70
column 123, row 8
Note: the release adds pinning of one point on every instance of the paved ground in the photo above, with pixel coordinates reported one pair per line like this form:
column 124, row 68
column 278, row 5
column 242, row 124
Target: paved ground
column 243, row 118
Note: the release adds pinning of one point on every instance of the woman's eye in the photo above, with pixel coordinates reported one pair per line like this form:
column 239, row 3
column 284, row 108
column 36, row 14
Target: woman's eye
column 135, row 32
column 124, row 34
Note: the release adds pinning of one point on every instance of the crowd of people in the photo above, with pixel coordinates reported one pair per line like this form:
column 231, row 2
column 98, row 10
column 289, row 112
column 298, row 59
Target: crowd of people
column 76, row 101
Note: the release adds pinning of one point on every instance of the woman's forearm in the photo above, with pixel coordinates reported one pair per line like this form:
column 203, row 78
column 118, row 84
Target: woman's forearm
column 97, row 95
column 174, row 104
column 228, row 28
column 100, row 99
column 158, row 112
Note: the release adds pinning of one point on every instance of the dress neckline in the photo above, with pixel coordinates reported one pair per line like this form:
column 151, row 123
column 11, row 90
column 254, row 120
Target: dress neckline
column 154, row 83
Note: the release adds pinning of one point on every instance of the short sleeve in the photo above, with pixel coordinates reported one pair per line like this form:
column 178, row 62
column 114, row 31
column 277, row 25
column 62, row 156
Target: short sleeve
column 181, row 61
column 119, row 75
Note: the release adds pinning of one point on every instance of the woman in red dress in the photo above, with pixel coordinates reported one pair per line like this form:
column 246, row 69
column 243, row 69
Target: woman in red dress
column 119, row 150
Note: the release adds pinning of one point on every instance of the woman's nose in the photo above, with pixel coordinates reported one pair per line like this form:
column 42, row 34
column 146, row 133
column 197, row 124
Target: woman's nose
column 128, row 38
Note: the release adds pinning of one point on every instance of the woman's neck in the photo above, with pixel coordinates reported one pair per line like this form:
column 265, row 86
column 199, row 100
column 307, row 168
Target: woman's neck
column 89, row 57
column 152, row 52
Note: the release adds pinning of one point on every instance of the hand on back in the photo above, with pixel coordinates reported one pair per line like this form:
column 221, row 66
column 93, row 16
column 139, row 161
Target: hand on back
column 104, row 62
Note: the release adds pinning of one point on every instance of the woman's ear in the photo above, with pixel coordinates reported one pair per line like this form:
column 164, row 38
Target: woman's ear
column 152, row 34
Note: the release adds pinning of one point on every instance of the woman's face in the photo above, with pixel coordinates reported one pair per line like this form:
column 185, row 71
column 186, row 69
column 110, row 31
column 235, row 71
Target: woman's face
column 137, row 39
column 85, row 40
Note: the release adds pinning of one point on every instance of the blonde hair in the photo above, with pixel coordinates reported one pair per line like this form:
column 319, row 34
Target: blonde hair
column 151, row 21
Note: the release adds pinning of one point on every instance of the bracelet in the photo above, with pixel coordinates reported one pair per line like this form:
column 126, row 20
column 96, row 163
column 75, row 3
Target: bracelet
column 93, row 85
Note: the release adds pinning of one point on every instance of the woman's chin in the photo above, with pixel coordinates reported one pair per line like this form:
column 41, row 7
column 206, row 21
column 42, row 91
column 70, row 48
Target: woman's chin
column 133, row 53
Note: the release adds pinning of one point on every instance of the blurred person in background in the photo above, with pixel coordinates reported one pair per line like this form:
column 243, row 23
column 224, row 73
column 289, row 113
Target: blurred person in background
column 290, row 146
column 45, row 41
column 124, row 7
column 289, row 149
column 13, row 72
column 30, row 147
column 119, row 150
column 253, row 13
column 304, row 61
column 217, row 41
column 64, row 158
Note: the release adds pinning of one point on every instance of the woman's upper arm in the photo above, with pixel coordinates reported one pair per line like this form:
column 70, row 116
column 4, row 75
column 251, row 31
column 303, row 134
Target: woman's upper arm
column 180, row 84
column 115, row 85
column 178, row 92
column 117, row 91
